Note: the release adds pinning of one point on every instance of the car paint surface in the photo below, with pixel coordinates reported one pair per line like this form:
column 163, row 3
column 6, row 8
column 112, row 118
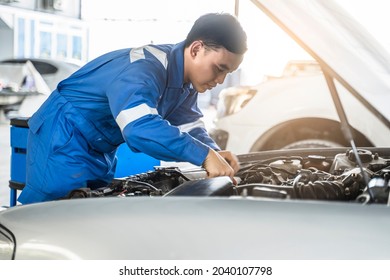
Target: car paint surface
column 198, row 228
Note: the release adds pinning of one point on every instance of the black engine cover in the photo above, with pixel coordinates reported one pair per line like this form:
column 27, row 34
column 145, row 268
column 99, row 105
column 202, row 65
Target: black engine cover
column 219, row 186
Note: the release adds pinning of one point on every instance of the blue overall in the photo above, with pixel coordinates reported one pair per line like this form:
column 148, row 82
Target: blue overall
column 135, row 95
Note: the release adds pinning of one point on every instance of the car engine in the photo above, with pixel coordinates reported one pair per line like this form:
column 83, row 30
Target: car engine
column 310, row 176
column 319, row 178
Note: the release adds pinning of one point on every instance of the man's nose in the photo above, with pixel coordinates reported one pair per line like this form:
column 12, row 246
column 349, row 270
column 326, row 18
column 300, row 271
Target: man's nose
column 220, row 78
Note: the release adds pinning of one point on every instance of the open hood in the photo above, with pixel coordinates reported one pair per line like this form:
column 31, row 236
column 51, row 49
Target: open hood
column 22, row 78
column 344, row 49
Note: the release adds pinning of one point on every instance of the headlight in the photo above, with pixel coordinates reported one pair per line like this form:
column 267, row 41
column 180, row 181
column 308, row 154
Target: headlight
column 233, row 99
column 7, row 245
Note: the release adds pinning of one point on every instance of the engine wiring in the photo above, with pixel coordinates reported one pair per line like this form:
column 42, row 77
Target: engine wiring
column 311, row 177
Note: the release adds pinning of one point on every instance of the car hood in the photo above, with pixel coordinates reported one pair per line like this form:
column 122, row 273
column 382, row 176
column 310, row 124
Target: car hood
column 145, row 228
column 344, row 49
column 14, row 76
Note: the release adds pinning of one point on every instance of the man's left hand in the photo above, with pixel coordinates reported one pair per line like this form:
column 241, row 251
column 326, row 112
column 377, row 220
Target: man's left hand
column 231, row 159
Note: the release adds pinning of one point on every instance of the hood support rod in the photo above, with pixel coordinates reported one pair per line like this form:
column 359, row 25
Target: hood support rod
column 345, row 127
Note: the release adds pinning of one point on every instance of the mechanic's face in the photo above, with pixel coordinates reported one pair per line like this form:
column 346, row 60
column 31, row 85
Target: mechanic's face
column 208, row 67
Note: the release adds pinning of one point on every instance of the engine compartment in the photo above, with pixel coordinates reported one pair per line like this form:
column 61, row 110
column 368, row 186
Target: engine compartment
column 310, row 175
column 319, row 177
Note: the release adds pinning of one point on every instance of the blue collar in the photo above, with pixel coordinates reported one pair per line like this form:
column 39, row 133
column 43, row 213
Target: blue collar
column 176, row 68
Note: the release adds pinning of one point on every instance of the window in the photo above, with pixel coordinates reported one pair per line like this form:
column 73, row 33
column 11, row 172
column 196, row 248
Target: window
column 21, row 37
column 62, row 46
column 45, row 44
column 76, row 53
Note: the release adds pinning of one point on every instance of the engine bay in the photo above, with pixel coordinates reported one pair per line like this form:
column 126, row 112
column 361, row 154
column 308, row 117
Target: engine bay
column 276, row 175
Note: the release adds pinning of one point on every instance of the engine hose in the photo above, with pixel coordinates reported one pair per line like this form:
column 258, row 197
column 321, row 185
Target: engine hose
column 323, row 190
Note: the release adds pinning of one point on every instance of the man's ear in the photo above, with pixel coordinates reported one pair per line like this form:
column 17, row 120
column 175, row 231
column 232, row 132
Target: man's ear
column 195, row 47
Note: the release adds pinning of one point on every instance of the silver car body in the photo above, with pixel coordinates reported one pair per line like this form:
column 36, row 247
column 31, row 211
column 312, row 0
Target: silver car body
column 198, row 228
column 288, row 104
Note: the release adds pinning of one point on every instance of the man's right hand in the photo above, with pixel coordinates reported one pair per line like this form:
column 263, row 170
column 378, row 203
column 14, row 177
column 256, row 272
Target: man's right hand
column 216, row 165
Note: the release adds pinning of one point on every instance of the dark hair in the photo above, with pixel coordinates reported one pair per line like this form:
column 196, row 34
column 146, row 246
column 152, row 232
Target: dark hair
column 219, row 30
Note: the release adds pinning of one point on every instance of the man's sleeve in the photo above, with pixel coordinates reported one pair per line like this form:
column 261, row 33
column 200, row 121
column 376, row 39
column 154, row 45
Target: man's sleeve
column 188, row 118
column 133, row 98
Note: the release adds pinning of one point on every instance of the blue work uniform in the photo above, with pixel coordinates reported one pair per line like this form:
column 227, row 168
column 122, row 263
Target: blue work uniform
column 136, row 95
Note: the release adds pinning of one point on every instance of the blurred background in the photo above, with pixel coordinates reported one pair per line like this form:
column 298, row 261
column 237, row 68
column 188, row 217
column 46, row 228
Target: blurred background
column 77, row 31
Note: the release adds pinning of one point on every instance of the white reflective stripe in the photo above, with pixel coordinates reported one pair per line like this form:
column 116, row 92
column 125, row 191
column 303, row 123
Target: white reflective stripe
column 129, row 115
column 190, row 126
column 159, row 54
column 138, row 53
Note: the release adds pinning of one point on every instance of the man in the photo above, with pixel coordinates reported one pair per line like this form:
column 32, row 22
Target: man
column 145, row 96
